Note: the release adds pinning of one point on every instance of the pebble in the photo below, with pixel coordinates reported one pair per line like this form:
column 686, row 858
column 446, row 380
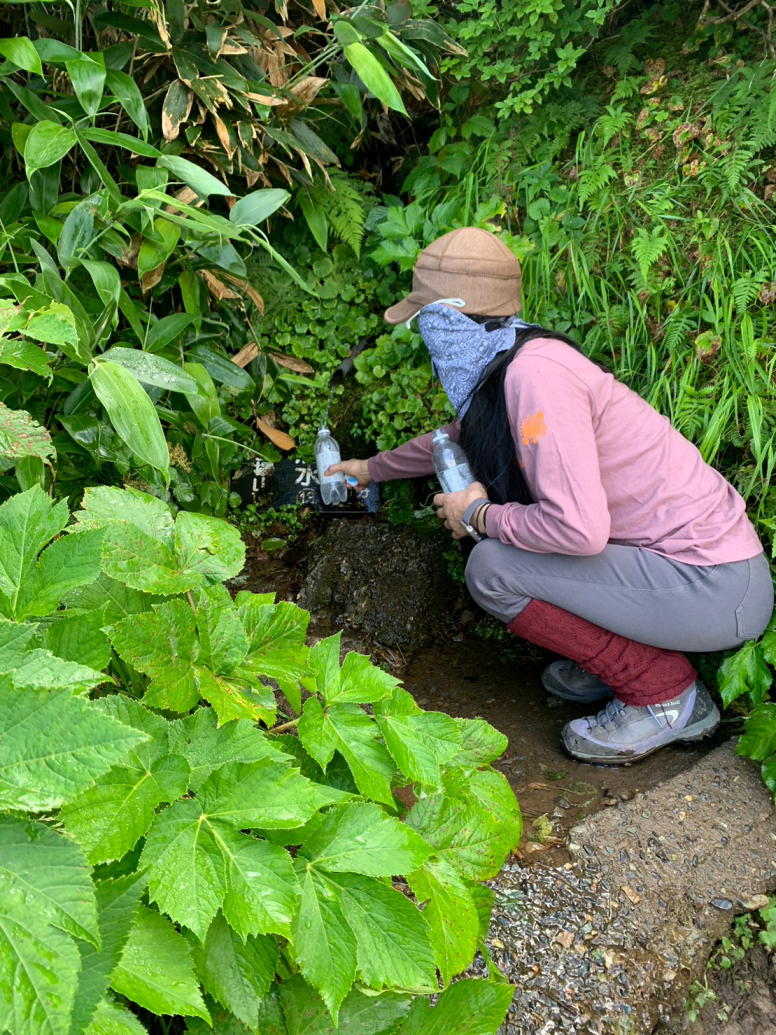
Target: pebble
column 722, row 903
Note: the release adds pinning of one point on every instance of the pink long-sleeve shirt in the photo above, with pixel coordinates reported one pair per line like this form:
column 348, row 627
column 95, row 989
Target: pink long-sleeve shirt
column 603, row 467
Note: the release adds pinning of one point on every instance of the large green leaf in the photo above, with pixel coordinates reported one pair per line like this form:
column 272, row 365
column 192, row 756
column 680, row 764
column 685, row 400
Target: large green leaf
column 450, row 913
column 186, row 868
column 131, row 413
column 117, row 901
column 359, row 837
column 22, row 355
column 20, row 435
column 263, row 795
column 156, row 250
column 277, row 648
column 473, row 825
column 53, row 746
column 23, row 54
column 109, row 818
column 374, row 77
column 469, row 1007
column 359, row 681
column 28, row 521
column 206, row 746
column 72, row 636
column 209, row 546
column 199, row 179
column 156, row 969
column 41, row 670
column 348, row 729
column 393, row 948
column 106, row 505
column 46, row 144
column 38, row 970
column 71, row 561
column 745, row 672
column 87, row 74
column 263, row 891
column 127, row 93
column 113, row 1018
column 50, row 873
column 420, row 742
column 237, row 973
column 322, row 942
column 360, row 1014
column 153, row 370
column 256, row 207
column 759, row 737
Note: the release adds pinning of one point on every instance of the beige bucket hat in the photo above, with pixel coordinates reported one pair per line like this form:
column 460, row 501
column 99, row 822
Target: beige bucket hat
column 469, row 264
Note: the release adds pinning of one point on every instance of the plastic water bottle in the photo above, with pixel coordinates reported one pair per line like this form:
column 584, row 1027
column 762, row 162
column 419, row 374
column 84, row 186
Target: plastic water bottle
column 450, row 463
column 327, row 452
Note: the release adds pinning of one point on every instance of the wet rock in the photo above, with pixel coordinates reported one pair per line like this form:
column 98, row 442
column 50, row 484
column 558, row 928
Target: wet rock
column 389, row 582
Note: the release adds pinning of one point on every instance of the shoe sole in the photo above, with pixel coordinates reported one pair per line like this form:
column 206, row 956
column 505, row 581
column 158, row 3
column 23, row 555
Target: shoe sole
column 692, row 734
column 558, row 689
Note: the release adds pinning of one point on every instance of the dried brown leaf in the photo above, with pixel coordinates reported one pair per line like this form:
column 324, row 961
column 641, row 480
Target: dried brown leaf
column 308, row 88
column 151, row 278
column 299, row 366
column 277, row 437
column 320, row 8
column 217, row 287
column 246, row 354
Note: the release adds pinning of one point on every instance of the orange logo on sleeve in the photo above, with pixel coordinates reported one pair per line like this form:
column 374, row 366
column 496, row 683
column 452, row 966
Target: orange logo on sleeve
column 532, row 429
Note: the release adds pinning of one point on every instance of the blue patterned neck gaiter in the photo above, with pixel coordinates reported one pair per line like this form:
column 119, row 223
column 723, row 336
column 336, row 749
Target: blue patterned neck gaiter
column 461, row 348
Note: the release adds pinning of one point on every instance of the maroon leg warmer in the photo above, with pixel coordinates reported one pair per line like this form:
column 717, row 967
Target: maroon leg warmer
column 638, row 674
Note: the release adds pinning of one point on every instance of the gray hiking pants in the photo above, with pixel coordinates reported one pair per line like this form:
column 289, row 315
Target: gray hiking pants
column 630, row 591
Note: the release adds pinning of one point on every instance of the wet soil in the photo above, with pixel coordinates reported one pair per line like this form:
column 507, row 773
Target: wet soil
column 474, row 678
column 739, row 1001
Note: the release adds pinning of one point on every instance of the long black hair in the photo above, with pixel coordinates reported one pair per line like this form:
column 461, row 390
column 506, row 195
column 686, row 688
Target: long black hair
column 486, row 436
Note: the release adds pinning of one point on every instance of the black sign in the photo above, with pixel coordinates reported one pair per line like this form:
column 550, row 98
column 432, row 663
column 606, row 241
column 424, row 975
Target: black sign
column 293, row 481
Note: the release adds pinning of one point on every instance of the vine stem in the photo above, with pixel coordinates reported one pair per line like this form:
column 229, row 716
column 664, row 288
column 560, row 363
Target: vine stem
column 285, row 726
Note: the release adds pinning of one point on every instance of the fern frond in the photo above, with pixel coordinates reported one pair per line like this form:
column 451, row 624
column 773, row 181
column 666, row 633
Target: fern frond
column 648, row 249
column 677, row 330
column 612, row 123
column 592, row 181
column 345, row 210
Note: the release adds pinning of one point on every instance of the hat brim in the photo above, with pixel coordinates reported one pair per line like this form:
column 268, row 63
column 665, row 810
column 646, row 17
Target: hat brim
column 402, row 311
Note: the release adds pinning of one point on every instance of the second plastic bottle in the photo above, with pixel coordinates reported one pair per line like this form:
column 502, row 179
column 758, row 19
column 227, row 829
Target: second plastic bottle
column 327, row 452
column 450, row 463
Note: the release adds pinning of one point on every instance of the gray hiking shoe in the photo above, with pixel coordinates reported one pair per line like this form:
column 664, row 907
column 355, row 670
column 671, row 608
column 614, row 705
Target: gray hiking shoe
column 567, row 680
column 623, row 733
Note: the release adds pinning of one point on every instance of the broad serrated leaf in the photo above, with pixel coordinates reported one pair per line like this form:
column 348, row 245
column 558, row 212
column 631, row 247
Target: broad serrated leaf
column 263, row 891
column 50, row 873
column 113, row 1018
column 109, row 818
column 348, row 729
column 117, row 901
column 360, row 1014
column 41, row 670
column 20, row 435
column 113, row 599
column 67, row 563
column 223, row 640
column 208, row 546
column 277, row 648
column 38, row 970
column 206, row 746
column 468, row 1007
column 53, row 746
column 359, row 837
column 186, row 868
column 758, row 740
column 105, row 505
column 322, row 942
column 360, row 682
column 481, row 744
column 325, row 665
column 745, row 672
column 236, row 973
column 393, row 947
column 28, row 521
column 420, row 742
column 15, row 638
column 164, row 644
column 473, row 826
column 78, row 637
column 450, row 913
column 156, row 970
column 263, row 795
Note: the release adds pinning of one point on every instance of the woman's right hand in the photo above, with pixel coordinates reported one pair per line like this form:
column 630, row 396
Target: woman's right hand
column 358, row 469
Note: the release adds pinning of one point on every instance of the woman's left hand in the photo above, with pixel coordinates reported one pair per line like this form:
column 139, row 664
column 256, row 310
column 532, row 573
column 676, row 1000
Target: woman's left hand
column 451, row 506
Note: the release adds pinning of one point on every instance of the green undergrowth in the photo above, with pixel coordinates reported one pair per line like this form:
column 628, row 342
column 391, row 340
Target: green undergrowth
column 203, row 816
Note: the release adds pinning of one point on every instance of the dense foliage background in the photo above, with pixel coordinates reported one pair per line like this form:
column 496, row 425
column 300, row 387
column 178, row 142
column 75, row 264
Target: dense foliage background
column 203, row 211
